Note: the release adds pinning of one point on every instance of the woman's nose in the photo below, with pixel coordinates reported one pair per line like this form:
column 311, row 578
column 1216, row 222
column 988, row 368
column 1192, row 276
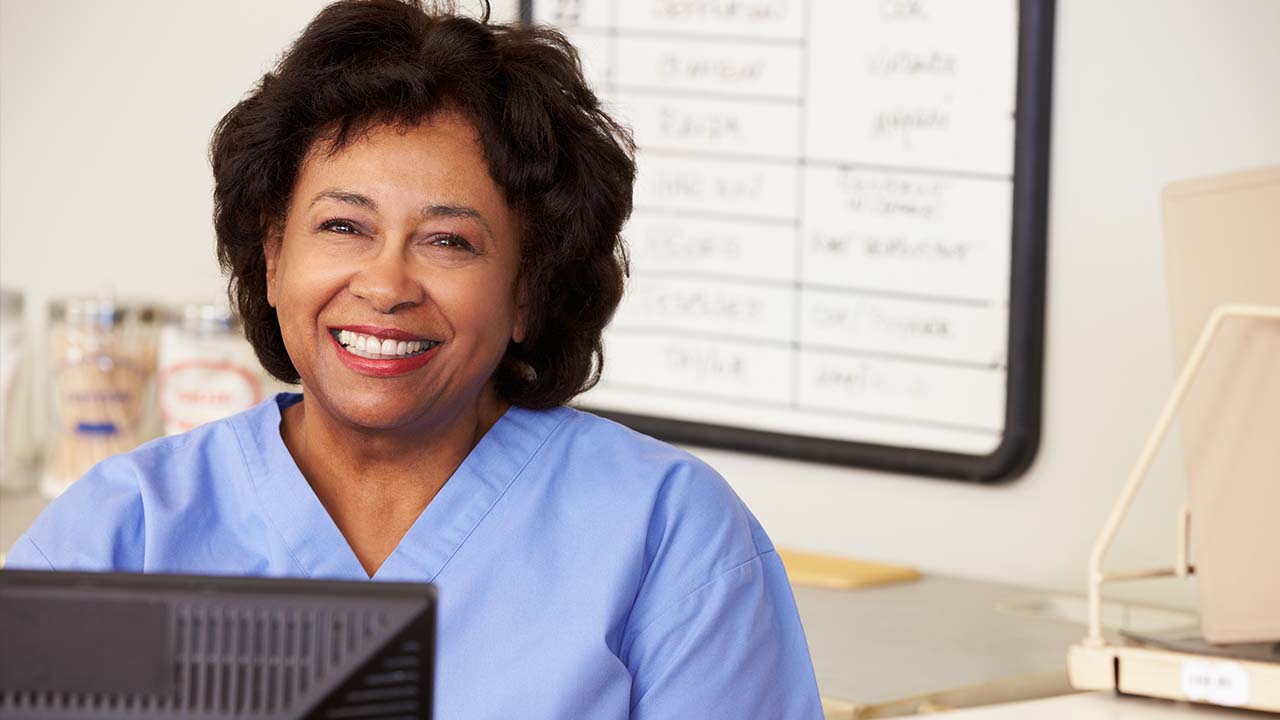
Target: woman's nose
column 386, row 284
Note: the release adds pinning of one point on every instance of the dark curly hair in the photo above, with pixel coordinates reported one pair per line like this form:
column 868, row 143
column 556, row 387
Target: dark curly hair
column 566, row 168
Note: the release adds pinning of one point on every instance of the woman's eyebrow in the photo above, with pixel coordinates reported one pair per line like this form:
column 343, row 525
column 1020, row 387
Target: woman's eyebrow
column 346, row 196
column 456, row 211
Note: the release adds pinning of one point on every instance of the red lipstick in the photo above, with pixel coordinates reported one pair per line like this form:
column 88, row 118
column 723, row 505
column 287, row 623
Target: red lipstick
column 388, row 367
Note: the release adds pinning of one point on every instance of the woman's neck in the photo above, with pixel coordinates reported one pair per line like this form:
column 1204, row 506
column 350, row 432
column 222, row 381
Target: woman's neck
column 374, row 482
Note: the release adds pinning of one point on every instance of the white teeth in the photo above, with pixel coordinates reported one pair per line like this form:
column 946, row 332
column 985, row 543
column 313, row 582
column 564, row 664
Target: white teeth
column 378, row 348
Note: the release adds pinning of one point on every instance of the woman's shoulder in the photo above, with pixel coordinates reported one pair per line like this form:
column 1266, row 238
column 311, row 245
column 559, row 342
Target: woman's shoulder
column 703, row 563
column 99, row 521
column 682, row 498
column 594, row 439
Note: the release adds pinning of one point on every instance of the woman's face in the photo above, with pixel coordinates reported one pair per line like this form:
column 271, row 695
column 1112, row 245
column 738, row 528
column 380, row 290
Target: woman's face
column 395, row 276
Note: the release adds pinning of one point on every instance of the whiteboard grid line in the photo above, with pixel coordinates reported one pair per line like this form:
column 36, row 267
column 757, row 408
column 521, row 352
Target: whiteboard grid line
column 827, row 163
column 681, row 34
column 713, row 215
column 797, row 294
column 801, row 346
column 850, row 414
column 827, row 287
column 699, row 94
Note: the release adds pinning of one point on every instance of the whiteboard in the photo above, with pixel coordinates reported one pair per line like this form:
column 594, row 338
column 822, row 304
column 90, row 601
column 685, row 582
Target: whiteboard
column 837, row 249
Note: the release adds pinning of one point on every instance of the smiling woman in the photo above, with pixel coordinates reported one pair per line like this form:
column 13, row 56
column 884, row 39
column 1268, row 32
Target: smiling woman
column 420, row 216
column 417, row 247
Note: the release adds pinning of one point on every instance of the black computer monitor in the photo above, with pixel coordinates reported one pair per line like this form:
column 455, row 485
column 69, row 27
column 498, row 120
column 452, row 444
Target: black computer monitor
column 122, row 645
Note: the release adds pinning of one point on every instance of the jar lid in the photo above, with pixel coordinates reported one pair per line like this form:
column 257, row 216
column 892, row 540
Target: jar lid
column 101, row 311
column 204, row 317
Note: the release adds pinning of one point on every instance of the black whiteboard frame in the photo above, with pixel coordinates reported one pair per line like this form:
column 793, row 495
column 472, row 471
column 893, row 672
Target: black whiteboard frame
column 1028, row 280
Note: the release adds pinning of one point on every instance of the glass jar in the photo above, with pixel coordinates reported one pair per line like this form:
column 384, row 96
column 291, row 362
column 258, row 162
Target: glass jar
column 102, row 357
column 15, row 422
column 207, row 369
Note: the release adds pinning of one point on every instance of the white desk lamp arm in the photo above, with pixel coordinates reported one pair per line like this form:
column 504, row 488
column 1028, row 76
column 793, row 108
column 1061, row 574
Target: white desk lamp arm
column 1154, row 440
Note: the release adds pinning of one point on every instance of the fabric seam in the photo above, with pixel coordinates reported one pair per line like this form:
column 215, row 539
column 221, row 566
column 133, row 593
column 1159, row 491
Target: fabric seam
column 671, row 607
column 681, row 600
column 31, row 541
column 500, row 495
column 253, row 481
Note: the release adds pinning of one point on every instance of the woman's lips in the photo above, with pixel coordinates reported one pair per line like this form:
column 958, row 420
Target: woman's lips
column 390, row 366
column 380, row 332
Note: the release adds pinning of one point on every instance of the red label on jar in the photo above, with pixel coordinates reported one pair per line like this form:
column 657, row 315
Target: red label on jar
column 199, row 391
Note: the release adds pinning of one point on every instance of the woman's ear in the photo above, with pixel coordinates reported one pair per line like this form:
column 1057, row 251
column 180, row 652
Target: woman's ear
column 271, row 245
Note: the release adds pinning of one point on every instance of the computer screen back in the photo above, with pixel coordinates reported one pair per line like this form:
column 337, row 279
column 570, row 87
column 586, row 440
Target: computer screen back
column 118, row 645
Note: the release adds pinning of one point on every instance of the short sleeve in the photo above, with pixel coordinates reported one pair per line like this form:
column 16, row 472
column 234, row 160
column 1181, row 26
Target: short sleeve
column 715, row 631
column 734, row 648
column 96, row 525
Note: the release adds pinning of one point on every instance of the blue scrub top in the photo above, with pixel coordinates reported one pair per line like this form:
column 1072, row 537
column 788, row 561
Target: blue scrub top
column 584, row 570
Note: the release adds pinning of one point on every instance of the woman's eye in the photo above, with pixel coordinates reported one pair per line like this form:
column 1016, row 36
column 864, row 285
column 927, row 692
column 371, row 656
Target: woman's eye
column 343, row 227
column 452, row 241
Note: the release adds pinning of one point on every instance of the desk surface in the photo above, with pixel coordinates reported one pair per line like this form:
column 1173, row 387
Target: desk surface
column 1101, row 706
column 881, row 644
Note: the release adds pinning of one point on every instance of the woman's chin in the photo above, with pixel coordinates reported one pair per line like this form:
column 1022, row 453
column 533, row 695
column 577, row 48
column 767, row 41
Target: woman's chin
column 375, row 412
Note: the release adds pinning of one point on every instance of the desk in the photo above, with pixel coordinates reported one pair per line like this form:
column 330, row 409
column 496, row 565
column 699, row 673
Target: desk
column 939, row 641
column 1101, row 706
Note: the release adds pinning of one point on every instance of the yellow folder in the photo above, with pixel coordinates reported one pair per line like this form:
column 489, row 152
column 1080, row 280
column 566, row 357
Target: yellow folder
column 840, row 573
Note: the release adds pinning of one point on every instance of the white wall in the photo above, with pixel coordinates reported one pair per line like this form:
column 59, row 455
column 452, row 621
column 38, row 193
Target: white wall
column 105, row 115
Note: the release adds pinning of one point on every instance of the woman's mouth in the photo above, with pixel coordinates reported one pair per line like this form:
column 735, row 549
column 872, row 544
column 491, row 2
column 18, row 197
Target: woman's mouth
column 375, row 348
column 382, row 352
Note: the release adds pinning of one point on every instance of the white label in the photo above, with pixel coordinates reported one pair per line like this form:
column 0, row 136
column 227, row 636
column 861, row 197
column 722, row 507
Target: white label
column 203, row 379
column 1215, row 681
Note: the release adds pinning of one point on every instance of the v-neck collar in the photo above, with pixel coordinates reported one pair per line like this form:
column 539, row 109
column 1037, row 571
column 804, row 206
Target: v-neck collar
column 318, row 546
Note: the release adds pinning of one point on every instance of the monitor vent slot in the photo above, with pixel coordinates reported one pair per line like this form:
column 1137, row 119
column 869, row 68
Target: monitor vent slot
column 57, row 704
column 252, row 662
column 388, row 688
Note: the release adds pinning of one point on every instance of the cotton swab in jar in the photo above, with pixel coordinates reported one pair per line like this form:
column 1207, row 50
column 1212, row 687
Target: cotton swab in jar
column 104, row 360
